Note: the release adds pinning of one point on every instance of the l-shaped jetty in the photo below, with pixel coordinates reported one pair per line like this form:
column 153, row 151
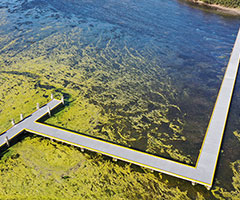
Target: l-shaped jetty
column 202, row 173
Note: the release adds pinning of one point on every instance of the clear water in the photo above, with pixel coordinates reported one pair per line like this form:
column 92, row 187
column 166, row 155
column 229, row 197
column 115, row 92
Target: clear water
column 154, row 66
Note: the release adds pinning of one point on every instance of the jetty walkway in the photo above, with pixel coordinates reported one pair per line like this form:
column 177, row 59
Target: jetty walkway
column 202, row 173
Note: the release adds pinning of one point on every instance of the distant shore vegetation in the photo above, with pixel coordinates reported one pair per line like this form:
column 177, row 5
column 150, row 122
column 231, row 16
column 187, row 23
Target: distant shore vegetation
column 225, row 3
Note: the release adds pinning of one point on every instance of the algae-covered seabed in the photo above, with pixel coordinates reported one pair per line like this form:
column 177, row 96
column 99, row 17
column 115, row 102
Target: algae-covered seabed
column 131, row 74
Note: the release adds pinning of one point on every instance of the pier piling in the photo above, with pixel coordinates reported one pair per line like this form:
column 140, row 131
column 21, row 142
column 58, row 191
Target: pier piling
column 49, row 111
column 62, row 99
column 7, row 141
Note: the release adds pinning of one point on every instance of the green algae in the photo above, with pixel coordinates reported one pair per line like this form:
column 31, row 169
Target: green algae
column 112, row 90
column 237, row 134
column 40, row 169
column 108, row 93
column 221, row 193
column 106, row 97
column 18, row 95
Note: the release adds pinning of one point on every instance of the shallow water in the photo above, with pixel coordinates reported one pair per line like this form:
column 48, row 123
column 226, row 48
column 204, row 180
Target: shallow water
column 150, row 70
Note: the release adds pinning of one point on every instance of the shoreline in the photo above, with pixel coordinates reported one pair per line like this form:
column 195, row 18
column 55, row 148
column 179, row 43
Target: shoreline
column 216, row 7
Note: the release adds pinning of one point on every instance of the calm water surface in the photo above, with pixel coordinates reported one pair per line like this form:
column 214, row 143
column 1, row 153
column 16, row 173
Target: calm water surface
column 154, row 66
